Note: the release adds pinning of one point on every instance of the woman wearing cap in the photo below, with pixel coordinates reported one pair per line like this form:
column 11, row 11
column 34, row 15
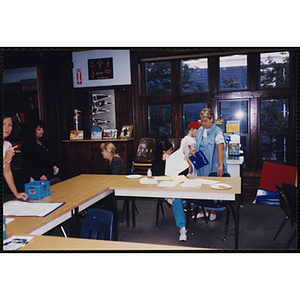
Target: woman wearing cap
column 188, row 145
column 210, row 141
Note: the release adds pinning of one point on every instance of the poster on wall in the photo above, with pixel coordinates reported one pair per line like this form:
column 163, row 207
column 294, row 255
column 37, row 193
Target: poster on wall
column 100, row 68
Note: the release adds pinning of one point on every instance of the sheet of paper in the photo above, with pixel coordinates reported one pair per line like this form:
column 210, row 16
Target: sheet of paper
column 162, row 177
column 176, row 163
column 29, row 209
column 179, row 179
column 16, row 242
column 8, row 220
column 206, row 181
column 167, row 184
column 146, row 180
column 191, row 183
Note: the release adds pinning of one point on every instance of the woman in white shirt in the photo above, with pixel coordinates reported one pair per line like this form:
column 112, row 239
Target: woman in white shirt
column 8, row 153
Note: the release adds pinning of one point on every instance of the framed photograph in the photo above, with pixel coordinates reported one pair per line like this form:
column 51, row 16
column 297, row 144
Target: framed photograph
column 110, row 133
column 126, row 132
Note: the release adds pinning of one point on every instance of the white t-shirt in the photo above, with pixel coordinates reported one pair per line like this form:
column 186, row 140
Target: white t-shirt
column 219, row 137
column 188, row 145
column 6, row 145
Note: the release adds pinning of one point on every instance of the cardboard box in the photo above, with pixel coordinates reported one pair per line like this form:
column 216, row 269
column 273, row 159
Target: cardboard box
column 76, row 135
column 37, row 189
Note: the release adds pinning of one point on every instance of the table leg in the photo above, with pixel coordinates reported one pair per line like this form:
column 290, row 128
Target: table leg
column 237, row 220
column 75, row 222
column 133, row 211
column 115, row 212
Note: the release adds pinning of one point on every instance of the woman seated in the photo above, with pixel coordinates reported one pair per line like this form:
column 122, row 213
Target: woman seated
column 37, row 161
column 163, row 150
column 114, row 163
column 9, row 124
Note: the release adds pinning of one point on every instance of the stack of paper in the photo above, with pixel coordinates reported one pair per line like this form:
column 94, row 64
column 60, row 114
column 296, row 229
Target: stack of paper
column 146, row 180
column 167, row 184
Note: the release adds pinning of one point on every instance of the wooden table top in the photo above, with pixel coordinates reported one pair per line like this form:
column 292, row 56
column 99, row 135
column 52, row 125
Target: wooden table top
column 53, row 243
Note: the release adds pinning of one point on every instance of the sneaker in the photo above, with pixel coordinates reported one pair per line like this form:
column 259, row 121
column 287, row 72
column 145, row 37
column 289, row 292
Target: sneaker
column 170, row 200
column 212, row 216
column 201, row 214
column 182, row 235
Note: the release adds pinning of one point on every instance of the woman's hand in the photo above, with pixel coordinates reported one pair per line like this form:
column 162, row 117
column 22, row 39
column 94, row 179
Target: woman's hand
column 10, row 152
column 165, row 156
column 21, row 196
column 43, row 178
column 220, row 171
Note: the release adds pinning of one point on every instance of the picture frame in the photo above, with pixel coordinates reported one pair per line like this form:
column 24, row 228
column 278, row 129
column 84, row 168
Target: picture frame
column 109, row 133
column 100, row 68
column 126, row 132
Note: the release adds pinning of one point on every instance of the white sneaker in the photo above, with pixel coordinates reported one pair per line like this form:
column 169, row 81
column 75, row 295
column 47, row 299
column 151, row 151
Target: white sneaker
column 182, row 235
column 212, row 217
column 201, row 215
column 170, row 200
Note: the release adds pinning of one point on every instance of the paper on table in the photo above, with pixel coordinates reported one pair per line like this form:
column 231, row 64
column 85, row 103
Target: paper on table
column 162, row 177
column 179, row 179
column 167, row 184
column 29, row 209
column 206, row 181
column 8, row 220
column 191, row 183
column 176, row 163
column 16, row 242
column 146, row 180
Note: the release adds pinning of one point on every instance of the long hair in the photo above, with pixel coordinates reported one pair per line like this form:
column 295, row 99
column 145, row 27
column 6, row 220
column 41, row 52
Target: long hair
column 30, row 137
column 162, row 146
column 15, row 128
column 110, row 148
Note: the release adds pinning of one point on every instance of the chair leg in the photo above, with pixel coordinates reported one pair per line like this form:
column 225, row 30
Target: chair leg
column 226, row 223
column 205, row 217
column 291, row 239
column 195, row 219
column 280, row 228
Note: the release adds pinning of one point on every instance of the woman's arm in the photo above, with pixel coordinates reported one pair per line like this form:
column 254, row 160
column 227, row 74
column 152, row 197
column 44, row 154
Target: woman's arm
column 9, row 153
column 11, row 183
column 220, row 148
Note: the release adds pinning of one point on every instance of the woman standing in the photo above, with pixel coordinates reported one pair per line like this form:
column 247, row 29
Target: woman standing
column 210, row 141
column 37, row 161
column 8, row 153
column 114, row 163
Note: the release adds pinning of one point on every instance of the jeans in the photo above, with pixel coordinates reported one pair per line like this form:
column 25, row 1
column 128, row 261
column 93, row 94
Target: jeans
column 179, row 213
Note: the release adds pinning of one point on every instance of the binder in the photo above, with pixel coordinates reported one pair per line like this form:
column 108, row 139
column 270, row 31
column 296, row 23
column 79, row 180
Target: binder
column 199, row 160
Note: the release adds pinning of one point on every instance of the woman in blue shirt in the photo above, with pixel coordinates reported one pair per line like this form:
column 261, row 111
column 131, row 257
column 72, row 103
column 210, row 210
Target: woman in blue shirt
column 210, row 141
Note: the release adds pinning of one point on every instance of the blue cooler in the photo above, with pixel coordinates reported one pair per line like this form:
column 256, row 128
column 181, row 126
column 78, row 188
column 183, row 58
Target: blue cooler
column 37, row 189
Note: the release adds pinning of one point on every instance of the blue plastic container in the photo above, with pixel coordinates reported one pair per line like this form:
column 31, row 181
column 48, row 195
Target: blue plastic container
column 4, row 230
column 37, row 189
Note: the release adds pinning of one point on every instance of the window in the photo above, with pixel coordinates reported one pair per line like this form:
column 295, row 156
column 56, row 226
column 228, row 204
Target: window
column 158, row 78
column 191, row 113
column 233, row 72
column 274, row 129
column 194, row 75
column 160, row 120
column 238, row 110
column 274, row 69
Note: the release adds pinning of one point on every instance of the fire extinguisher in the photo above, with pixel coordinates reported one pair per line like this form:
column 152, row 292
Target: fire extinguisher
column 76, row 119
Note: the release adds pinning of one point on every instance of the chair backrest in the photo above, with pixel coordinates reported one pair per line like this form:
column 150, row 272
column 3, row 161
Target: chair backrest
column 214, row 174
column 146, row 148
column 176, row 143
column 97, row 225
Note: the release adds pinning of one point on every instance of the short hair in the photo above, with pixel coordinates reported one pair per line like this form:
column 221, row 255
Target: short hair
column 206, row 113
column 109, row 147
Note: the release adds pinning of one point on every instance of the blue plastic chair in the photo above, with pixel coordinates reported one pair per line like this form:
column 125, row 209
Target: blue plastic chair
column 217, row 205
column 97, row 225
